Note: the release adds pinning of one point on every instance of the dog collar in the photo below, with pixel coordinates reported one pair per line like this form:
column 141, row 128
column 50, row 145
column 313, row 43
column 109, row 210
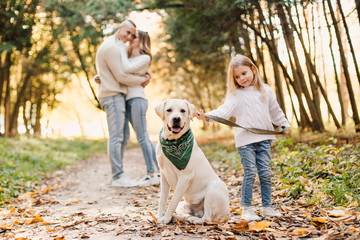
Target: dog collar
column 178, row 151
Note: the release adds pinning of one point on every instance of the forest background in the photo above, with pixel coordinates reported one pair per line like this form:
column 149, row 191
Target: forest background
column 307, row 51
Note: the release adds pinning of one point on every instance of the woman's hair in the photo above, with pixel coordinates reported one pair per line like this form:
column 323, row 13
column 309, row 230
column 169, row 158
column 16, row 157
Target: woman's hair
column 241, row 60
column 145, row 43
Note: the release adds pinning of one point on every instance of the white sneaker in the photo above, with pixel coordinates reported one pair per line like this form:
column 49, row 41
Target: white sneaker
column 146, row 181
column 124, row 181
column 156, row 179
column 149, row 180
column 248, row 214
column 271, row 212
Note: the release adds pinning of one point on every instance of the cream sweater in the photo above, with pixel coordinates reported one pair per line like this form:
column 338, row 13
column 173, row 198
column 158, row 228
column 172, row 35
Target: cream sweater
column 136, row 65
column 247, row 107
column 108, row 65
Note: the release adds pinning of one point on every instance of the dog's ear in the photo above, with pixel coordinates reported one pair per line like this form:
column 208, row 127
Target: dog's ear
column 159, row 109
column 192, row 109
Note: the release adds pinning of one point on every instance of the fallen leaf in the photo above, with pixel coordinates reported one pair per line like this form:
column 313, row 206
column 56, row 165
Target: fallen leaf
column 240, row 227
column 165, row 233
column 259, row 226
column 60, row 238
column 336, row 213
column 70, row 203
column 319, row 222
column 178, row 231
column 152, row 215
column 35, row 220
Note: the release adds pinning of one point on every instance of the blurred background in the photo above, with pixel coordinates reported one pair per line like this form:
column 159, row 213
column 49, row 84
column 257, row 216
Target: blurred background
column 307, row 51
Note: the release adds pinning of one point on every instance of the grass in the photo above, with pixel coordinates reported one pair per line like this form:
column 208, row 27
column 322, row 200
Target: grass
column 25, row 161
column 324, row 173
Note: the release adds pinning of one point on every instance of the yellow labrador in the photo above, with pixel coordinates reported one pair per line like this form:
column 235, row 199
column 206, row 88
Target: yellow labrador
column 186, row 170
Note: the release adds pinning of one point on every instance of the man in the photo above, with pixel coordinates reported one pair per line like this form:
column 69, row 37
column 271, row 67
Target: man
column 112, row 91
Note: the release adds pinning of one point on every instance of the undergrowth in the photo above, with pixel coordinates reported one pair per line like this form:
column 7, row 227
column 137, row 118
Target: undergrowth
column 323, row 174
column 24, row 161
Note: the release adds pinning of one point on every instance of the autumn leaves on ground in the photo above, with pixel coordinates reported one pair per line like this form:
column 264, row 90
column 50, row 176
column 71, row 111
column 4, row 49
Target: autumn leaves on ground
column 315, row 187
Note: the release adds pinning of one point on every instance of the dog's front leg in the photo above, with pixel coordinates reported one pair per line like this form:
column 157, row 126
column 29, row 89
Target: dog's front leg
column 181, row 186
column 164, row 194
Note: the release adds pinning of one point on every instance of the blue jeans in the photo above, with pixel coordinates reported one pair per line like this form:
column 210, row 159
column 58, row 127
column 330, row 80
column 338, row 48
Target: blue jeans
column 114, row 106
column 136, row 114
column 256, row 156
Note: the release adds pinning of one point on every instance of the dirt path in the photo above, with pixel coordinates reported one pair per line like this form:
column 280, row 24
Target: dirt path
column 78, row 203
column 82, row 205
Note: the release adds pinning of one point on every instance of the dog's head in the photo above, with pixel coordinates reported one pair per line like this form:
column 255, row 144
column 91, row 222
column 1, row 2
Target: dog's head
column 176, row 115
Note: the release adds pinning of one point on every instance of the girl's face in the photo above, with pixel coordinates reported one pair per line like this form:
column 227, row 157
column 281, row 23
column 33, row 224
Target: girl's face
column 135, row 42
column 243, row 75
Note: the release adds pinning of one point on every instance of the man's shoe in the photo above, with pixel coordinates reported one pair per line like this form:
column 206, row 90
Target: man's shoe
column 271, row 212
column 124, row 181
column 248, row 214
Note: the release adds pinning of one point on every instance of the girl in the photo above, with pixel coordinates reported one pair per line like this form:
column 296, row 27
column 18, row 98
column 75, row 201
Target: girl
column 254, row 105
column 136, row 60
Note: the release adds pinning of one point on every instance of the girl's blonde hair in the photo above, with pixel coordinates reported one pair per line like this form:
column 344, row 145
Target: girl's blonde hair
column 145, row 44
column 241, row 60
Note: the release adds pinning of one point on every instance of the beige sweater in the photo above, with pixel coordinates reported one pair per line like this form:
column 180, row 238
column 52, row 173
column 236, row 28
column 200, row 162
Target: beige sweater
column 109, row 68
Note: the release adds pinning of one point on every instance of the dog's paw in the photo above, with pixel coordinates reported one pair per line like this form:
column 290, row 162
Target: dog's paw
column 196, row 220
column 159, row 215
column 164, row 220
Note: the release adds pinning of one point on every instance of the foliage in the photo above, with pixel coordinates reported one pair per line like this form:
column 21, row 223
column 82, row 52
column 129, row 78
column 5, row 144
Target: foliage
column 24, row 162
column 324, row 174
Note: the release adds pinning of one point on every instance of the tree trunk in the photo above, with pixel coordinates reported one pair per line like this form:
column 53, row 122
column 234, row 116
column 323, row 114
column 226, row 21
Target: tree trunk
column 19, row 100
column 345, row 69
column 299, row 78
column 349, row 40
column 357, row 2
column 277, row 77
column 37, row 125
column 337, row 81
column 6, row 73
column 312, row 72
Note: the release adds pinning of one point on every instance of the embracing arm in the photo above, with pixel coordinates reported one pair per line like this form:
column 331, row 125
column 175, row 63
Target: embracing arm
column 112, row 59
column 138, row 63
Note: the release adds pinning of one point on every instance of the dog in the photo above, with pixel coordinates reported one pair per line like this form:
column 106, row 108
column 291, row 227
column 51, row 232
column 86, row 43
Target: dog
column 206, row 196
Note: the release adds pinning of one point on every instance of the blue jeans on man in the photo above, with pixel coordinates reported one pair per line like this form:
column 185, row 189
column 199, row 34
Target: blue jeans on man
column 114, row 106
column 255, row 157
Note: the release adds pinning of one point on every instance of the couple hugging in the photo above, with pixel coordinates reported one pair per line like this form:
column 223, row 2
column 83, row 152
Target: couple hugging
column 122, row 75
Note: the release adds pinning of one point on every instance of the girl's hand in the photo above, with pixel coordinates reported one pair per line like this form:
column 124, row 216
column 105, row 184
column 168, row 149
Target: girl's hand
column 97, row 79
column 200, row 115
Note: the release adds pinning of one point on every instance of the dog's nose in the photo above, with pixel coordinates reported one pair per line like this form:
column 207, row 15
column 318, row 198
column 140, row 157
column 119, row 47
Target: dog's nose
column 176, row 120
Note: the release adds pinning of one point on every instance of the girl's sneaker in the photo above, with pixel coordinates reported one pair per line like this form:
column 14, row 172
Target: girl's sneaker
column 271, row 212
column 248, row 214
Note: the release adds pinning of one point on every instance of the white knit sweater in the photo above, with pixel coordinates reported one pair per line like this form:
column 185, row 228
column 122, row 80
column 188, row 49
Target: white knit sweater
column 250, row 111
column 137, row 65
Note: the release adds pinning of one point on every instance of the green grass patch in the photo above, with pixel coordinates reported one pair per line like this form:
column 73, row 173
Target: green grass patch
column 24, row 161
column 323, row 174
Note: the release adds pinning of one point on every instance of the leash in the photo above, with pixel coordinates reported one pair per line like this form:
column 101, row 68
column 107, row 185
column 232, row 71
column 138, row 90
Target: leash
column 253, row 130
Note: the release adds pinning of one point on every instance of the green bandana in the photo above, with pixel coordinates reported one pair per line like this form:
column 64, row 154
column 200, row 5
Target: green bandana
column 178, row 151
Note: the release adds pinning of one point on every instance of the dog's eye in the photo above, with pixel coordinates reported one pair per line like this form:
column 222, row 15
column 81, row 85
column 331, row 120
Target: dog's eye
column 169, row 110
column 182, row 110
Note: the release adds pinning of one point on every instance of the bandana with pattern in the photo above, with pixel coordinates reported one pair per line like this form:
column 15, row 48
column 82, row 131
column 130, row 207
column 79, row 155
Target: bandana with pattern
column 178, row 151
